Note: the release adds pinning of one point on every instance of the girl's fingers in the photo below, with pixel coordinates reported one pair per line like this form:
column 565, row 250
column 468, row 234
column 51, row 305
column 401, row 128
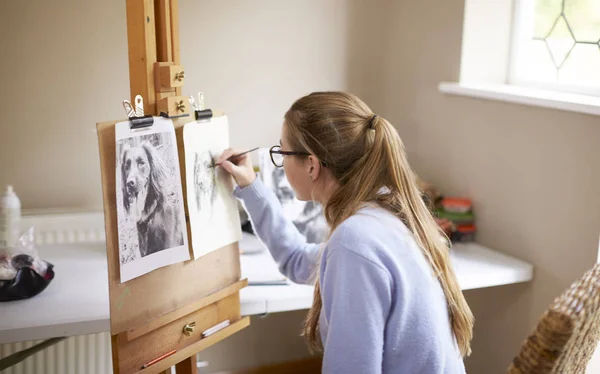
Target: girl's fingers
column 226, row 154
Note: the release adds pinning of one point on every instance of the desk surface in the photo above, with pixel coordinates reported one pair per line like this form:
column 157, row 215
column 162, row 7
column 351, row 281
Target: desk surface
column 76, row 302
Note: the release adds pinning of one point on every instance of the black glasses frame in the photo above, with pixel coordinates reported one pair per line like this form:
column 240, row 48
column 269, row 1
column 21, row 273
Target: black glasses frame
column 276, row 149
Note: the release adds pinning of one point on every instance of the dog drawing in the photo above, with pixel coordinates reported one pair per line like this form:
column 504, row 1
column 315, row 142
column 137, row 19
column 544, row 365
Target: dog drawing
column 146, row 197
column 205, row 181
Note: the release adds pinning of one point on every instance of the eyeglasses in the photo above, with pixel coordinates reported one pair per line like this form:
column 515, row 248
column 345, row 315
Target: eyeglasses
column 277, row 155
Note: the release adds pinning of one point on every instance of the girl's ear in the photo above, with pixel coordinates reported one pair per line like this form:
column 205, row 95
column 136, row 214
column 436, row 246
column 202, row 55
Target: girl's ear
column 314, row 168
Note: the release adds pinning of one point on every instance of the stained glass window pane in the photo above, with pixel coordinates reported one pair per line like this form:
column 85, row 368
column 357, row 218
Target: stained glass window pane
column 584, row 19
column 536, row 65
column 582, row 68
column 546, row 15
column 560, row 42
column 564, row 44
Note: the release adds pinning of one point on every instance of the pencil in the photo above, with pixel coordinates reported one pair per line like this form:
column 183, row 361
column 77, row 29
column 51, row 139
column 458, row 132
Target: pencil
column 238, row 155
column 159, row 358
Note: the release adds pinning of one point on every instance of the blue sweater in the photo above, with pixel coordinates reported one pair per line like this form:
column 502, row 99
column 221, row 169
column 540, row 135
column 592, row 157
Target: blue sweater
column 383, row 310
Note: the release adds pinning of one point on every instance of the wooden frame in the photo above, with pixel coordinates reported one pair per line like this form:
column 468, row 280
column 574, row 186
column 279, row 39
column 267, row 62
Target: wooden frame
column 148, row 313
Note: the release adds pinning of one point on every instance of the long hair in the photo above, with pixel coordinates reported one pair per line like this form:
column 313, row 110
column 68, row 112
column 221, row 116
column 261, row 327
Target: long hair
column 367, row 158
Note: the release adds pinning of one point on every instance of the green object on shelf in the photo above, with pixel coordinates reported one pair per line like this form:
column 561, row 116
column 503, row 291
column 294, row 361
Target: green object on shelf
column 456, row 217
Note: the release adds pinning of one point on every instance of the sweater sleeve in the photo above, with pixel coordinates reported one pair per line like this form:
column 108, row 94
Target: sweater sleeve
column 357, row 298
column 295, row 257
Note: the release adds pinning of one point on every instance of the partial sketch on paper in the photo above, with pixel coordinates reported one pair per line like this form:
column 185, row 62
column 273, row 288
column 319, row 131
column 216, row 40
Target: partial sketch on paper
column 213, row 210
column 307, row 216
column 205, row 181
column 150, row 211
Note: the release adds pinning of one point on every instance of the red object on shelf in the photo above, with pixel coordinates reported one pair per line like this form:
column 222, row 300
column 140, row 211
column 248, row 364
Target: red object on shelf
column 456, row 204
column 464, row 233
column 465, row 229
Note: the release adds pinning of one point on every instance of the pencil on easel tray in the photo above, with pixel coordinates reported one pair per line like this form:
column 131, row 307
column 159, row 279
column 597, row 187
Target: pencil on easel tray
column 215, row 328
column 170, row 353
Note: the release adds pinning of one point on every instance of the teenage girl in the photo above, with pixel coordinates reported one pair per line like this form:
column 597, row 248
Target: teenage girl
column 386, row 297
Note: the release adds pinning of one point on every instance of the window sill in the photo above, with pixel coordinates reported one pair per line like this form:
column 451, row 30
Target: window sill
column 526, row 96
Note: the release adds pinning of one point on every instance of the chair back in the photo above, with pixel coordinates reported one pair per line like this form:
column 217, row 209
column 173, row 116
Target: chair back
column 567, row 333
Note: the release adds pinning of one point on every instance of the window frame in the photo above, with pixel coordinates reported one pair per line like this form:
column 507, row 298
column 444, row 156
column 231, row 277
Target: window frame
column 484, row 63
column 522, row 23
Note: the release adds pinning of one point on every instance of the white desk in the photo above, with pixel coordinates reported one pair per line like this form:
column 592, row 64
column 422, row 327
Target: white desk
column 76, row 301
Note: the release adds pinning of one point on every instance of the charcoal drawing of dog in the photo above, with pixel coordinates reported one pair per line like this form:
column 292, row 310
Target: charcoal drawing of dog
column 146, row 197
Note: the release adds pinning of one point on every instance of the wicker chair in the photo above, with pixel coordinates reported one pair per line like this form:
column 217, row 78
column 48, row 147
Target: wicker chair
column 567, row 334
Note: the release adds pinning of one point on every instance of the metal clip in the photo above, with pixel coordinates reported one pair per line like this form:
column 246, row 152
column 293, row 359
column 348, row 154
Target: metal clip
column 129, row 111
column 179, row 76
column 139, row 106
column 198, row 107
column 136, row 115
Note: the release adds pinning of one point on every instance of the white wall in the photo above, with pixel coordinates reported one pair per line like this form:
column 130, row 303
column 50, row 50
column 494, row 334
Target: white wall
column 254, row 58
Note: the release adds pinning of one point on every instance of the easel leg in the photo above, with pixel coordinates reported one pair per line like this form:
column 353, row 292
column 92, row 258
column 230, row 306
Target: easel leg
column 187, row 366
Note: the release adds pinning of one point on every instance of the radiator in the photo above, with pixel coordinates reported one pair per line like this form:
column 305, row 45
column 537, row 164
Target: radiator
column 86, row 354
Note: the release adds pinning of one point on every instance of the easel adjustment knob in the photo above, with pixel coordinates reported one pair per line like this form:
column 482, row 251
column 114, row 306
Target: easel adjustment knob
column 180, row 106
column 189, row 328
column 174, row 106
column 168, row 76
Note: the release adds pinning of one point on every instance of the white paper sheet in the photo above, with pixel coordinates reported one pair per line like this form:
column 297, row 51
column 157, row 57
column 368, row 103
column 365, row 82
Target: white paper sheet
column 213, row 210
column 150, row 210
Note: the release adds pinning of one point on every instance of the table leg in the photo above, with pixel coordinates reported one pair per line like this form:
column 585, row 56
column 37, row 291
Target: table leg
column 187, row 366
column 15, row 358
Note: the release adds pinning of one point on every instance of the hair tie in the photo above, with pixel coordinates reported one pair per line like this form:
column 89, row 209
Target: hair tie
column 372, row 122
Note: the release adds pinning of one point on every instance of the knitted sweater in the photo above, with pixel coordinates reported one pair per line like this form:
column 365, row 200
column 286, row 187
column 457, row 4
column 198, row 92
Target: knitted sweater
column 383, row 310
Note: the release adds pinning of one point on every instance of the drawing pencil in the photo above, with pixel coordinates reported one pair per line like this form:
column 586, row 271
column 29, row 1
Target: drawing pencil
column 238, row 155
column 159, row 359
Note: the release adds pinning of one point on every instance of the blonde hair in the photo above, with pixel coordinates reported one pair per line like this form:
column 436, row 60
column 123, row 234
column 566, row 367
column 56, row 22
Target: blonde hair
column 365, row 154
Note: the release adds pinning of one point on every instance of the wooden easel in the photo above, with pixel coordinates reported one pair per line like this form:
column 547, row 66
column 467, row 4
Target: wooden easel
column 168, row 308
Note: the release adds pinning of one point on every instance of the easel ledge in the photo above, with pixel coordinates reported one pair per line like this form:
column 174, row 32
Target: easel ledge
column 191, row 350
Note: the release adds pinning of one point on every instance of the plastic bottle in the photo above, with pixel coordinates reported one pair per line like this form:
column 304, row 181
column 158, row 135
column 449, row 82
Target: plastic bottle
column 10, row 218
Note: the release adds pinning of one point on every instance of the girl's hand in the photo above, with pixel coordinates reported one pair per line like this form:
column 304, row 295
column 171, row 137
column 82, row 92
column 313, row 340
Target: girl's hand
column 239, row 167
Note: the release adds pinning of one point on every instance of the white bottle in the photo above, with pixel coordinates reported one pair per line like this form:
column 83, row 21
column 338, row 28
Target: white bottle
column 10, row 218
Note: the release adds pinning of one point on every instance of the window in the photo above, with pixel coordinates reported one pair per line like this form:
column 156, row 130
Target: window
column 556, row 45
column 532, row 52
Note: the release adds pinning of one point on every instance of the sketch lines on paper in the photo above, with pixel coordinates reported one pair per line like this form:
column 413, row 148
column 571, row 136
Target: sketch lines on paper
column 148, row 199
column 205, row 181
